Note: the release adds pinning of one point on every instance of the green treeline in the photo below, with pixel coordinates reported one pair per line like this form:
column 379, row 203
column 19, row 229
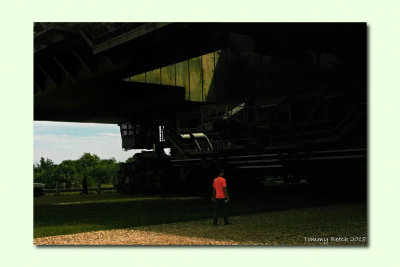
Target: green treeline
column 70, row 173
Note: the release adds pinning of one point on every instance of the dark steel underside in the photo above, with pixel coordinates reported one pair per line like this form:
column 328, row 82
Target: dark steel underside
column 78, row 67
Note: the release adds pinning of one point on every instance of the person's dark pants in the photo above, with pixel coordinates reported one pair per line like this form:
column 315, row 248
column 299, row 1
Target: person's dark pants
column 84, row 191
column 220, row 204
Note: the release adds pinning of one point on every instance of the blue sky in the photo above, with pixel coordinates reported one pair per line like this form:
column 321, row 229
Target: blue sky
column 60, row 141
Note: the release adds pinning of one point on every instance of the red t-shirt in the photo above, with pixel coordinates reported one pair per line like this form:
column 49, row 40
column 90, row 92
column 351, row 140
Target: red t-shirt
column 219, row 185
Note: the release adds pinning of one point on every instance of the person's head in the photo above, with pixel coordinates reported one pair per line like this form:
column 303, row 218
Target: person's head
column 221, row 173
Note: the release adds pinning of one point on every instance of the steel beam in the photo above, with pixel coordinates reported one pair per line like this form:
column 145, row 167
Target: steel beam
column 64, row 69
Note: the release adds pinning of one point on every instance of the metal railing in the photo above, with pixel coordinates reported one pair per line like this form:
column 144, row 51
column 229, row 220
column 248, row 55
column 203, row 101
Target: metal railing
column 61, row 190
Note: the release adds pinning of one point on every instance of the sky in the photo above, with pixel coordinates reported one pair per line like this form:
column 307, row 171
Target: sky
column 60, row 141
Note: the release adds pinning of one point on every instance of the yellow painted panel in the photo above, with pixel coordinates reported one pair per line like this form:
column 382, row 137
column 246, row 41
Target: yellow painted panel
column 208, row 74
column 216, row 57
column 196, row 86
column 138, row 78
column 196, row 75
column 182, row 77
column 168, row 75
column 153, row 76
column 220, row 79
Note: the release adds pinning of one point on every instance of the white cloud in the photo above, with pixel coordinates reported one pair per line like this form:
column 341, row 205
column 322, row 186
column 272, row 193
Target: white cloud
column 63, row 147
column 73, row 124
column 110, row 134
column 60, row 141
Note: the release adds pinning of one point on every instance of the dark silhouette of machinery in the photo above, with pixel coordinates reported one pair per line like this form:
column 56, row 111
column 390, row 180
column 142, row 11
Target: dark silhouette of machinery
column 250, row 147
column 257, row 99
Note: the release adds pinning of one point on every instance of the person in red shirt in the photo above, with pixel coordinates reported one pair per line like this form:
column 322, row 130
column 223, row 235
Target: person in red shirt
column 221, row 198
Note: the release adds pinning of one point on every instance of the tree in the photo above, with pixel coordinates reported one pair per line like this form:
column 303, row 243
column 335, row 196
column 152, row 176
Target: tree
column 129, row 160
column 70, row 173
column 86, row 164
column 88, row 159
column 44, row 172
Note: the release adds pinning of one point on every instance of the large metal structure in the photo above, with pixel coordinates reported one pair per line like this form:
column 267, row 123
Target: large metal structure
column 257, row 99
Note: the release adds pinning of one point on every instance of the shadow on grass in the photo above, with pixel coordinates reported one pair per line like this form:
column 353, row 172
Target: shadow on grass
column 284, row 227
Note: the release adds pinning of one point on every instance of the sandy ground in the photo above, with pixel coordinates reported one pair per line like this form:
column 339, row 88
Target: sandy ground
column 127, row 237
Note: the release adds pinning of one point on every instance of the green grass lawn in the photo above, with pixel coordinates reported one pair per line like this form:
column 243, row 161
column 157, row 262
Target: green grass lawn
column 69, row 214
column 254, row 219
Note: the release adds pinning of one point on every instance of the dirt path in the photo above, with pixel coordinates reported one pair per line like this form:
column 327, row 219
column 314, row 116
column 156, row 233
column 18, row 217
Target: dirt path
column 126, row 237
